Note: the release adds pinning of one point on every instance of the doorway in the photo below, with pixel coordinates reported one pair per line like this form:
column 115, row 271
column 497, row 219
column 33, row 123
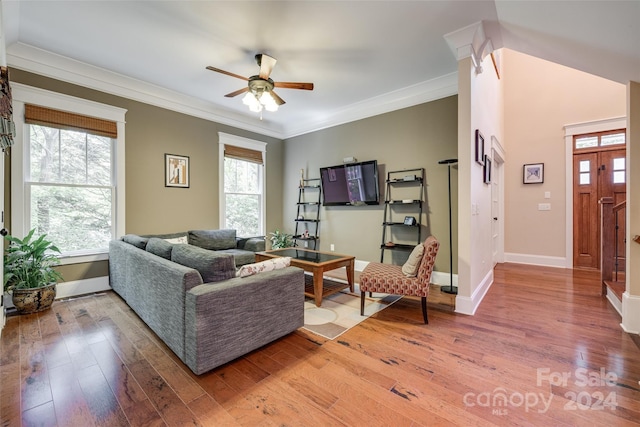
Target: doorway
column 599, row 170
column 497, row 201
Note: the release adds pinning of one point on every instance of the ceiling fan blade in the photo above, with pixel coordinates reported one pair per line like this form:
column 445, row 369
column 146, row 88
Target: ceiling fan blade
column 237, row 92
column 276, row 98
column 292, row 85
column 266, row 65
column 218, row 70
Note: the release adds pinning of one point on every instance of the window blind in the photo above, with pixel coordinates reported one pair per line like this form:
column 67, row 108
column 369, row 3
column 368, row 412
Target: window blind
column 37, row 115
column 245, row 154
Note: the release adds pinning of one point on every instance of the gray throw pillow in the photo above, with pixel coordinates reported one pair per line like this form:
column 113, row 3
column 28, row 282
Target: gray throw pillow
column 135, row 240
column 214, row 240
column 212, row 266
column 159, row 247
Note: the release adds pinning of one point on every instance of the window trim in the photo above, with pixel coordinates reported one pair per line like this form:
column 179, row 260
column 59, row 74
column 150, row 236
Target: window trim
column 23, row 94
column 251, row 144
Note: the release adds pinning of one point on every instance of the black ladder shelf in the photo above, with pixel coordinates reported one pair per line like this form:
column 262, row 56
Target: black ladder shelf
column 401, row 203
column 308, row 215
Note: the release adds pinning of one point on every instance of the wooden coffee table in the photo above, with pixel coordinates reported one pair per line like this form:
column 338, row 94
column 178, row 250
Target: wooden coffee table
column 315, row 262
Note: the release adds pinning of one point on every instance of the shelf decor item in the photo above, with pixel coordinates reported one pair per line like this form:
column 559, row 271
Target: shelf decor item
column 533, row 173
column 29, row 273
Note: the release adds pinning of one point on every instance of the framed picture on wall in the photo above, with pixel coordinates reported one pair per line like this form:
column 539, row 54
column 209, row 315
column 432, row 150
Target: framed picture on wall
column 479, row 148
column 486, row 169
column 176, row 171
column 533, row 173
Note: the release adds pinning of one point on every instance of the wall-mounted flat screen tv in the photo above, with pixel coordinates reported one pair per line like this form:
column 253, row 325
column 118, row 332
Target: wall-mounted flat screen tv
column 351, row 184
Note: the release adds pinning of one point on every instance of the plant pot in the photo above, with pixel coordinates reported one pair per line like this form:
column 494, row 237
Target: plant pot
column 35, row 299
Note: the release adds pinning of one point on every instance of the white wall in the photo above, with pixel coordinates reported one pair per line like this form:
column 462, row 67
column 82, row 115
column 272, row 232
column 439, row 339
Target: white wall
column 480, row 106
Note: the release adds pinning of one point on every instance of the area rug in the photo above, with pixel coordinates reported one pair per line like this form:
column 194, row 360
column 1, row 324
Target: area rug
column 341, row 311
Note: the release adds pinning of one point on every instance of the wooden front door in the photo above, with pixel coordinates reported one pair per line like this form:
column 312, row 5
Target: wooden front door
column 595, row 175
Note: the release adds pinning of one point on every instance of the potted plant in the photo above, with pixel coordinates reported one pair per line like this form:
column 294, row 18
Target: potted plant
column 29, row 274
column 280, row 240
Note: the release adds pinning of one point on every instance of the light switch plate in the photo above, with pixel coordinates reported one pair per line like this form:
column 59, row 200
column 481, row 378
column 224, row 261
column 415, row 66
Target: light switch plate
column 544, row 206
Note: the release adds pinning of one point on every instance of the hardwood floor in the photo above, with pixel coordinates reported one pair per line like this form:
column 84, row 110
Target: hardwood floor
column 92, row 362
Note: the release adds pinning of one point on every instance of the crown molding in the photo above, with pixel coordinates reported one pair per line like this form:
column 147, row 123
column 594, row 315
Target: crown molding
column 470, row 41
column 430, row 90
column 38, row 61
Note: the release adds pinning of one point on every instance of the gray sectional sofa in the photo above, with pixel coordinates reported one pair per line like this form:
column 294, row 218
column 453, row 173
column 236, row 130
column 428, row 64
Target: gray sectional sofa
column 189, row 296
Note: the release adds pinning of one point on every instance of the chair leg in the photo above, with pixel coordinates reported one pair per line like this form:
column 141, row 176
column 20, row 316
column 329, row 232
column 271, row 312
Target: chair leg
column 361, row 303
column 424, row 310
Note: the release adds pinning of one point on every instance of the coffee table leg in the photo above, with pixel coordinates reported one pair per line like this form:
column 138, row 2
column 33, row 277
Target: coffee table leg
column 351, row 274
column 317, row 287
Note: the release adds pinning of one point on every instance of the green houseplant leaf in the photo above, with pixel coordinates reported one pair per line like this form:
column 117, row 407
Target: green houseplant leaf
column 280, row 240
column 29, row 263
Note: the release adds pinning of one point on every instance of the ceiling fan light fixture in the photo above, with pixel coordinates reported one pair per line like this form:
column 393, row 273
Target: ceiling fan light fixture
column 252, row 102
column 267, row 100
column 258, row 94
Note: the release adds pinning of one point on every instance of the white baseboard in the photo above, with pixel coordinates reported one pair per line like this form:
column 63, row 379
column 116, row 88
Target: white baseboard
column 614, row 301
column 545, row 261
column 73, row 288
column 81, row 287
column 630, row 313
column 469, row 305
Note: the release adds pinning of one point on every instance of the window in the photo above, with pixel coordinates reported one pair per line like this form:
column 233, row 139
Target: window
column 242, row 185
column 70, row 185
column 65, row 177
column 601, row 139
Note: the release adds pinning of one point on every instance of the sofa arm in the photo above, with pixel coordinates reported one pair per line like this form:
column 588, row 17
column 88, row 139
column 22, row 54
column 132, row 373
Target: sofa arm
column 253, row 244
column 228, row 319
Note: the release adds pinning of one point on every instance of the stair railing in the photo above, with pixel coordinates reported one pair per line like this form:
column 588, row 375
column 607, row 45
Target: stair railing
column 611, row 261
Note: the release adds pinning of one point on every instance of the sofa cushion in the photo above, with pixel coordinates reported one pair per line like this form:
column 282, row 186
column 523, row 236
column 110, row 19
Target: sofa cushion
column 160, row 247
column 213, row 239
column 410, row 268
column 267, row 265
column 240, row 256
column 212, row 266
column 135, row 240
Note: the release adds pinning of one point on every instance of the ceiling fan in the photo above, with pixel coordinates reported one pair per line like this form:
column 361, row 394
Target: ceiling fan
column 259, row 89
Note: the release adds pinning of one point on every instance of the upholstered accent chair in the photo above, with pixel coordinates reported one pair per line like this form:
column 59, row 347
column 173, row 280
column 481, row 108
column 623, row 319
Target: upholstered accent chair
column 389, row 279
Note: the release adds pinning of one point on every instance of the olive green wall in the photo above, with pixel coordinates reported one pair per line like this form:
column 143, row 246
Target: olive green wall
column 150, row 132
column 410, row 138
column 413, row 137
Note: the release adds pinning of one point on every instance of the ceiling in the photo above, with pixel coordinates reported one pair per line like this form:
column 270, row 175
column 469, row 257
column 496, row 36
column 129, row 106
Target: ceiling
column 365, row 58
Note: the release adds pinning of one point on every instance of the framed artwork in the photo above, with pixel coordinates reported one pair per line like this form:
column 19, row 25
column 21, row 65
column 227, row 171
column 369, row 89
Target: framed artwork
column 533, row 173
column 479, row 148
column 176, row 171
column 409, row 220
column 486, row 169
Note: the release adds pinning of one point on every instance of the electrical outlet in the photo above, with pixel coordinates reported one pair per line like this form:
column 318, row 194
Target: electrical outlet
column 333, row 247
column 306, row 244
column 544, row 206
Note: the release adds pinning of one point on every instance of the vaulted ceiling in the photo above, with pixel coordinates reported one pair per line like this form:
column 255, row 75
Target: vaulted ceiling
column 365, row 58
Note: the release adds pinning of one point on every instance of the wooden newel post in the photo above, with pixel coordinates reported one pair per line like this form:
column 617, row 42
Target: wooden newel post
column 607, row 238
